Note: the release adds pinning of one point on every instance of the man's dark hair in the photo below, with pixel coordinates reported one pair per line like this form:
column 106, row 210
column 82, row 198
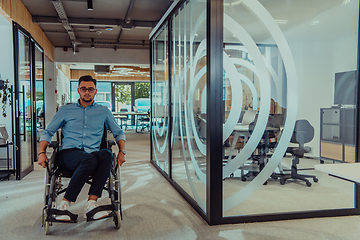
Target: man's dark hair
column 87, row 78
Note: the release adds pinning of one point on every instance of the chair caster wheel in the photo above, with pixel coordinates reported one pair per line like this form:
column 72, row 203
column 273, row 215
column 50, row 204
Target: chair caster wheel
column 308, row 184
column 265, row 183
column 243, row 179
column 315, row 179
column 282, row 181
column 322, row 161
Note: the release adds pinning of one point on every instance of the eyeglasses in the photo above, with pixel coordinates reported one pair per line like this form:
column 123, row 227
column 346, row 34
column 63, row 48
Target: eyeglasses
column 84, row 89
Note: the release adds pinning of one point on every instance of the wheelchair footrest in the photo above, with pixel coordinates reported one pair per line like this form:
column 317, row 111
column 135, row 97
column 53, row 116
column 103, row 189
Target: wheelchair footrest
column 90, row 215
column 51, row 216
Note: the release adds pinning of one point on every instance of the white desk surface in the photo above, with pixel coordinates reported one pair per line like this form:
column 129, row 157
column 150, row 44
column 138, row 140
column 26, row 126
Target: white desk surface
column 129, row 113
column 245, row 128
column 348, row 171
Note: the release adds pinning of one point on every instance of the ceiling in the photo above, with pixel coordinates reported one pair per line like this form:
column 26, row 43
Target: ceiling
column 110, row 24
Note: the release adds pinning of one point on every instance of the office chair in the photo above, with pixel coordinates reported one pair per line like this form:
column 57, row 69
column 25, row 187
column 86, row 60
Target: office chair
column 143, row 122
column 303, row 133
column 124, row 110
column 267, row 143
column 202, row 126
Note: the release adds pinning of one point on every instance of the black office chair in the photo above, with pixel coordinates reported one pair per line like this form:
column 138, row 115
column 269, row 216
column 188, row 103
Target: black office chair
column 303, row 133
column 124, row 110
column 267, row 143
column 143, row 122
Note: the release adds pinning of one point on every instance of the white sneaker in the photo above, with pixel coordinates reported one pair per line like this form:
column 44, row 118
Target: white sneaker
column 90, row 205
column 64, row 205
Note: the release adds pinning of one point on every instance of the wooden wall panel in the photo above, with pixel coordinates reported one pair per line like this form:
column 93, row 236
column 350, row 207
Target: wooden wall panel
column 18, row 13
column 76, row 74
column 6, row 6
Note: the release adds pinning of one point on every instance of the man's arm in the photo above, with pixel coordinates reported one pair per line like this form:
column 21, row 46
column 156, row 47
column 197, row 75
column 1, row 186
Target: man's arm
column 121, row 155
column 42, row 158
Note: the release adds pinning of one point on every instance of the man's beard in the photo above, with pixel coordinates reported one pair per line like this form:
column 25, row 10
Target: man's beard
column 87, row 100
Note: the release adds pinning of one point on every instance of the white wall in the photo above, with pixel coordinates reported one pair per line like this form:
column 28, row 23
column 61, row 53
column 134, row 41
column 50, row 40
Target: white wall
column 6, row 63
column 316, row 64
column 50, row 90
column 63, row 88
column 6, row 71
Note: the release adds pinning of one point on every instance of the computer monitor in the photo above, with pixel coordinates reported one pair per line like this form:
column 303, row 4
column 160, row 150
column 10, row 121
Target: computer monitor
column 345, row 91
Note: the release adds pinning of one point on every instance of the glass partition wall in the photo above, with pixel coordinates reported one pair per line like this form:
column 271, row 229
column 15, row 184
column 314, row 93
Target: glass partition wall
column 28, row 117
column 247, row 97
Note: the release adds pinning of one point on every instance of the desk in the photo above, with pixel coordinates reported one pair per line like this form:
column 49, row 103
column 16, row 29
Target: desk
column 121, row 116
column 124, row 115
column 347, row 171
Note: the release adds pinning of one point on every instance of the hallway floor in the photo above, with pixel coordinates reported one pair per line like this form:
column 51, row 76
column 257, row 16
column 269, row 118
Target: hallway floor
column 152, row 209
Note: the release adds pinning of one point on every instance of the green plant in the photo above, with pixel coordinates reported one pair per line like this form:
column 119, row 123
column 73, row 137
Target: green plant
column 5, row 96
column 142, row 90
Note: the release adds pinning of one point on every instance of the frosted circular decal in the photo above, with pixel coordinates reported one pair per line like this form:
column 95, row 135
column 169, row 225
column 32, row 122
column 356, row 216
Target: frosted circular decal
column 267, row 78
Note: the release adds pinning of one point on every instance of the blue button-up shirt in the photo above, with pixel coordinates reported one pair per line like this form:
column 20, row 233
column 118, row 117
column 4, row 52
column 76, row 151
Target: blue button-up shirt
column 82, row 127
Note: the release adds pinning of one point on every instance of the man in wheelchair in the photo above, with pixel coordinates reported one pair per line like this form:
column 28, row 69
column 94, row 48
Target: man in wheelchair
column 82, row 125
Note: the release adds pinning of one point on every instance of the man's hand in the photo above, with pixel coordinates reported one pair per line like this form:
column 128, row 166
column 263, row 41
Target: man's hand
column 42, row 159
column 121, row 158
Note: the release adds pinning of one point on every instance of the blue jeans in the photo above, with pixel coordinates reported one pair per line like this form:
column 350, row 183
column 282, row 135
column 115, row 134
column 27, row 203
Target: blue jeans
column 96, row 164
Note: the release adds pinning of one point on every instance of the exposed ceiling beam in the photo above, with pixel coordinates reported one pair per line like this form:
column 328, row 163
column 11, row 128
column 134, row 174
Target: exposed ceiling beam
column 119, row 36
column 131, row 4
column 127, row 42
column 95, row 21
column 63, row 19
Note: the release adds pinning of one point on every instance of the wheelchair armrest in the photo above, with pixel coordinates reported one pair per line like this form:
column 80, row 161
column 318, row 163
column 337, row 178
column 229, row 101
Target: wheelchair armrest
column 111, row 143
column 54, row 144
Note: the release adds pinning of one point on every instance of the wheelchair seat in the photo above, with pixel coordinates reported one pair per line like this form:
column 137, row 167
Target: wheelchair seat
column 54, row 188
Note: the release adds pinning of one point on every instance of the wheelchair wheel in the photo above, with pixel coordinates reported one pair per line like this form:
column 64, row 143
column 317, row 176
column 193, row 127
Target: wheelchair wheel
column 47, row 186
column 117, row 189
column 117, row 220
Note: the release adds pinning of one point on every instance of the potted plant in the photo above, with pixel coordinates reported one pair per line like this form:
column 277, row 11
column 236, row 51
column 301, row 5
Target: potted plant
column 5, row 95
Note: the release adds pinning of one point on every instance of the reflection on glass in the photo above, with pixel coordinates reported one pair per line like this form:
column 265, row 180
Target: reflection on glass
column 279, row 78
column 188, row 101
column 160, row 112
column 39, row 94
column 25, row 104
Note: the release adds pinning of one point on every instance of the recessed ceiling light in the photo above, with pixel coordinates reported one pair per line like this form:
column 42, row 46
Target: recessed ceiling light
column 315, row 22
column 281, row 21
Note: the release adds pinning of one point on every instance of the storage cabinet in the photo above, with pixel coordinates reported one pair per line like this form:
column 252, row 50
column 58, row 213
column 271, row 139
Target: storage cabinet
column 337, row 134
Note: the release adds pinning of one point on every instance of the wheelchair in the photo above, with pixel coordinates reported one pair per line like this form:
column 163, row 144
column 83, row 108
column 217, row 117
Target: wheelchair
column 54, row 187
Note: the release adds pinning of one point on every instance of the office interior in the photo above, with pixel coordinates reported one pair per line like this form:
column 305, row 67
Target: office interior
column 281, row 66
column 278, row 59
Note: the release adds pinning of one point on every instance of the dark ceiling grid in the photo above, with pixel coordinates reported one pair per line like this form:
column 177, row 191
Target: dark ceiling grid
column 111, row 23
